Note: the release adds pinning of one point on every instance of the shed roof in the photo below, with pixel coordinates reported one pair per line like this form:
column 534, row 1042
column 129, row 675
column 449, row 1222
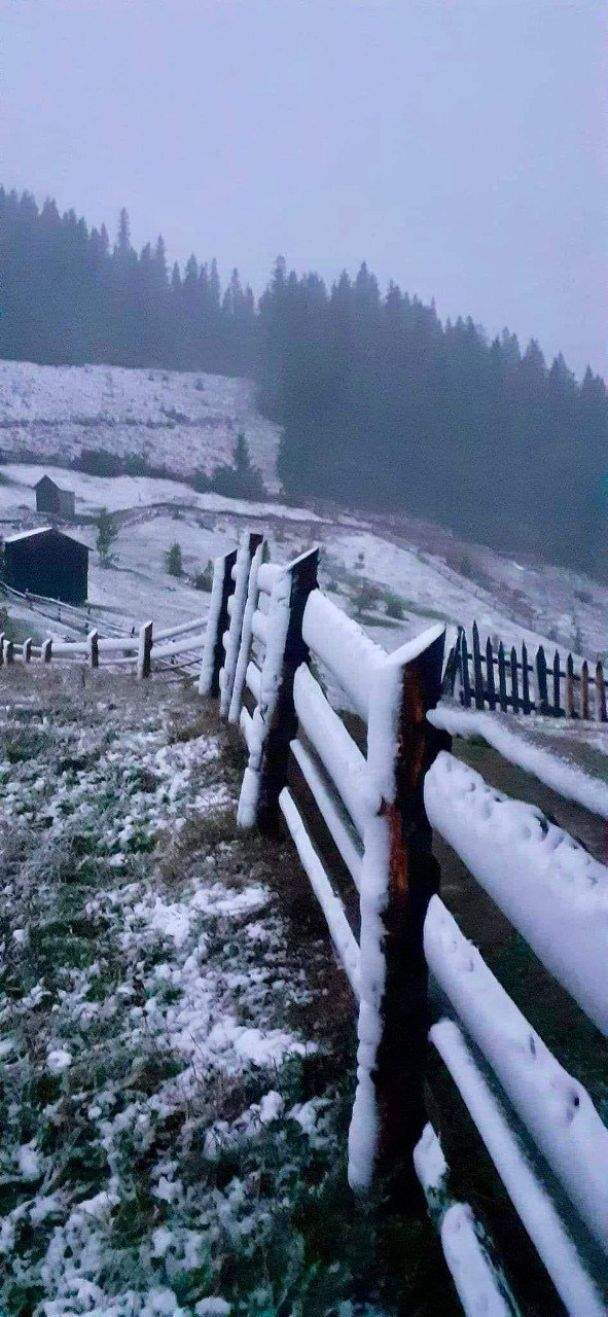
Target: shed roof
column 44, row 530
column 46, row 480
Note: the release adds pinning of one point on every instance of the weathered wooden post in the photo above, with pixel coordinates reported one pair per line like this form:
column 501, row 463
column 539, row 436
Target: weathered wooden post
column 600, row 694
column 217, row 621
column 2, row 644
column 274, row 723
column 541, row 681
column 570, row 707
column 27, row 650
column 9, row 651
column 464, row 670
column 585, row 690
column 477, row 673
column 248, row 547
column 94, row 649
column 399, row 876
column 491, row 684
column 46, row 653
column 144, row 653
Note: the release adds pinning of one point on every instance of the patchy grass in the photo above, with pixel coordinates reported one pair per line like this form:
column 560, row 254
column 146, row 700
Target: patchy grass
column 177, row 1043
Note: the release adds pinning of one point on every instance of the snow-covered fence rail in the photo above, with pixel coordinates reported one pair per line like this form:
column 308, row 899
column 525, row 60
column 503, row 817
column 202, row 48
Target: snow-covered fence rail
column 555, row 895
column 507, row 680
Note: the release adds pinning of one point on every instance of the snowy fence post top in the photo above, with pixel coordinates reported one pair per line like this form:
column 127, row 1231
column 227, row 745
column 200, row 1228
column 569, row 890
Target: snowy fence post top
column 302, row 575
column 399, row 876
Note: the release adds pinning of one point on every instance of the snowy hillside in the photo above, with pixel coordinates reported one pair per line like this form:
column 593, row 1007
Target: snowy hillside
column 191, row 420
column 180, row 420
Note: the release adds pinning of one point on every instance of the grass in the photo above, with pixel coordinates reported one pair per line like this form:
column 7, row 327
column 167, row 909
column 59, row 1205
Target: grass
column 217, row 1176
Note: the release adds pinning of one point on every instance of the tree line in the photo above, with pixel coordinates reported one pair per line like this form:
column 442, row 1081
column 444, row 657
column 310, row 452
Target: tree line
column 382, row 405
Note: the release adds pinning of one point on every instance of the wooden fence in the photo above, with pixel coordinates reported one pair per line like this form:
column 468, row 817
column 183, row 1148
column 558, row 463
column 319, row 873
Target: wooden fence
column 508, row 680
column 362, row 794
column 365, row 785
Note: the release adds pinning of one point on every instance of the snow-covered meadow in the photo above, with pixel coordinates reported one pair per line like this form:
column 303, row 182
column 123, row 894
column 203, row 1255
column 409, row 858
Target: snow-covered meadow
column 173, row 1088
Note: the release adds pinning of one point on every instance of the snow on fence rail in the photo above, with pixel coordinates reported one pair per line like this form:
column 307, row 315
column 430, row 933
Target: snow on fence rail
column 509, row 681
column 360, row 797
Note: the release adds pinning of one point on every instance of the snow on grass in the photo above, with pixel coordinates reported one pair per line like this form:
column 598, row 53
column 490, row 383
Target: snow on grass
column 173, row 1124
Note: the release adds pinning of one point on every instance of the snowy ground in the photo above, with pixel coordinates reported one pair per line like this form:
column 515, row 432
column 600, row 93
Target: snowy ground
column 175, row 1094
column 186, row 421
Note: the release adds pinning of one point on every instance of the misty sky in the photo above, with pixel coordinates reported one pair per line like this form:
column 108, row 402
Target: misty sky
column 457, row 145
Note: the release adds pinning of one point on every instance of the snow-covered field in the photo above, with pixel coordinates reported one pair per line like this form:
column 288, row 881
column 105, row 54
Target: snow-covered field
column 186, row 421
column 174, row 1092
column 57, row 410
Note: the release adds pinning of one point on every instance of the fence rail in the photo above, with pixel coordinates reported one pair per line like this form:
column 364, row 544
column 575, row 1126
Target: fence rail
column 364, row 796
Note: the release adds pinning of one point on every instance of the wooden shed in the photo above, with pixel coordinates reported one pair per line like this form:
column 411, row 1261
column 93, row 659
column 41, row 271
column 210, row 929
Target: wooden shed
column 47, row 562
column 51, row 498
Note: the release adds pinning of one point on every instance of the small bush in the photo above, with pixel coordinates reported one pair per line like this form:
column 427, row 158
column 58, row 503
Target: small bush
column 173, row 560
column 394, row 606
column 204, row 580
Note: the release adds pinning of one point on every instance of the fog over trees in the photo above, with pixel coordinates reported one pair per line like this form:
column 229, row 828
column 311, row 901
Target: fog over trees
column 382, row 405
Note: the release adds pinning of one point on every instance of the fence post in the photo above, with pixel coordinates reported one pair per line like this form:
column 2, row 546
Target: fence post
column 46, row 652
column 144, row 653
column 249, row 544
column 2, row 644
column 94, row 649
column 275, row 722
column 400, row 874
column 9, row 651
column 217, row 621
column 27, row 650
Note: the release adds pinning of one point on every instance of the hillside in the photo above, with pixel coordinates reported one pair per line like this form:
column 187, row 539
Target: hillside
column 185, row 421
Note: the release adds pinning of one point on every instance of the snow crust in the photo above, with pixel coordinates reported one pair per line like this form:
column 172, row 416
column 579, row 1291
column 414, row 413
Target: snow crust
column 213, row 618
column 555, row 1107
column 342, row 646
column 540, row 1218
column 277, row 623
column 550, row 888
column 515, row 743
column 343, row 760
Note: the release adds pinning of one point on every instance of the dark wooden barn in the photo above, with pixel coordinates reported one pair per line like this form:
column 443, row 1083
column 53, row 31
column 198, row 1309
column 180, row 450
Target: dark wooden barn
column 47, row 562
column 51, row 498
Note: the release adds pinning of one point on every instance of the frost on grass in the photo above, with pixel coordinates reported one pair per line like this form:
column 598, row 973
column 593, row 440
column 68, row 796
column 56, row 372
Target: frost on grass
column 161, row 1132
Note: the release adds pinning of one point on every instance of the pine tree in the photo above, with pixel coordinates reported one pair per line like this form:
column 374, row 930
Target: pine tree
column 173, row 560
column 107, row 533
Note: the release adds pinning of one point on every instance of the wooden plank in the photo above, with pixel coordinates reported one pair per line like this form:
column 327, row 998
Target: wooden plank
column 601, row 711
column 9, row 651
column 502, row 678
column 490, row 683
column 570, row 707
column 329, row 810
column 477, row 673
column 46, row 652
column 557, row 700
column 585, row 690
column 464, row 670
column 525, row 680
column 27, row 650
column 514, row 681
column 541, row 681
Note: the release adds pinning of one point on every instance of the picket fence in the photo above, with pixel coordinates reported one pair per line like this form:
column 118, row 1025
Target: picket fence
column 351, row 750
column 507, row 680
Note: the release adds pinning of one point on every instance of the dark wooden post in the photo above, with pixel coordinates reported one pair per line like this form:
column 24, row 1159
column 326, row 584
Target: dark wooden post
column 223, row 621
column 541, row 681
column 413, row 878
column 144, row 656
column 94, row 648
column 491, row 684
column 525, row 680
column 502, row 678
column 585, row 690
column 27, row 650
column 273, row 775
column 2, row 644
column 477, row 673
column 464, row 670
column 9, row 651
column 557, row 699
column 600, row 694
column 514, row 681
column 46, row 652
column 570, row 709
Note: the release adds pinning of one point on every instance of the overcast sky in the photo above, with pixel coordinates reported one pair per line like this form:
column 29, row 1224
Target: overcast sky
column 459, row 146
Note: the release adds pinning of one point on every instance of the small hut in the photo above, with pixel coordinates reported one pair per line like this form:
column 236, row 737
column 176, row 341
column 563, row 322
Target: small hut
column 51, row 498
column 47, row 562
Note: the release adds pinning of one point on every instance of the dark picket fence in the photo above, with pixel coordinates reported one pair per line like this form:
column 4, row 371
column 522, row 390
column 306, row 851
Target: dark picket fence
column 508, row 680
